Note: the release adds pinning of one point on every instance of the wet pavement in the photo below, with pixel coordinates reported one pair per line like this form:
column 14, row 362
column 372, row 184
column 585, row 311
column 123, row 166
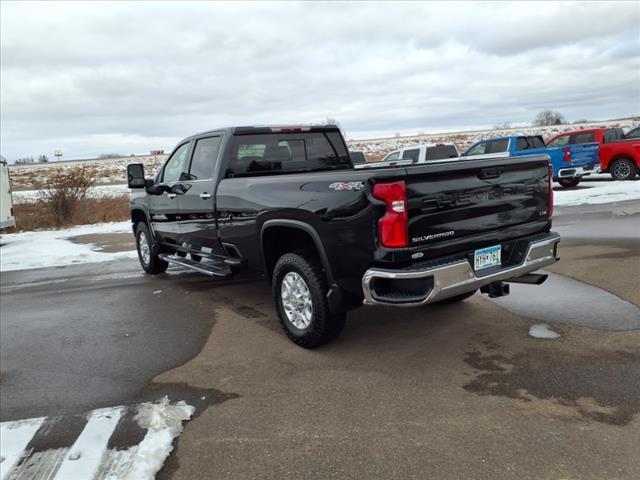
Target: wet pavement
column 565, row 300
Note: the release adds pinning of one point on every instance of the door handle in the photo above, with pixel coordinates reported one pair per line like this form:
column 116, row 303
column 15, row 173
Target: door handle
column 205, row 195
column 172, row 195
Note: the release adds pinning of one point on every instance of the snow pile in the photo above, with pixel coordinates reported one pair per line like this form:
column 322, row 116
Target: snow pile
column 540, row 330
column 163, row 423
column 597, row 192
column 52, row 248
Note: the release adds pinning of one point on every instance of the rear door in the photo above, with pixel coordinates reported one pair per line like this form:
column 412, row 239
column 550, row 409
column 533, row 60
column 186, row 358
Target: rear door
column 164, row 208
column 452, row 200
column 197, row 206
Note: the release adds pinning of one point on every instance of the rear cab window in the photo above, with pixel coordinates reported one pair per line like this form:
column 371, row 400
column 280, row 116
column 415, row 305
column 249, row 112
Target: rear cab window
column 441, row 152
column 256, row 154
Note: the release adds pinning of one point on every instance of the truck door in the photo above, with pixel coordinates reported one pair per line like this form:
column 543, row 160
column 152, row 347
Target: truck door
column 197, row 205
column 163, row 208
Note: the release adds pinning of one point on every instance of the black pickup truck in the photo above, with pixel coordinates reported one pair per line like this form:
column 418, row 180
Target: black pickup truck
column 286, row 202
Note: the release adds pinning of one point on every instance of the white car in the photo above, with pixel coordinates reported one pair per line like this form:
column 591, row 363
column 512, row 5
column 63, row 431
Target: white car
column 426, row 152
column 423, row 153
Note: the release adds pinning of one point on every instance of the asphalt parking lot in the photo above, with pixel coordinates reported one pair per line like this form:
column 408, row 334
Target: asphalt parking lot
column 457, row 391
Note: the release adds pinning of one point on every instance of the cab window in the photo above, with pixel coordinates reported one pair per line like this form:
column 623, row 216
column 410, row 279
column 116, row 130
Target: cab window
column 582, row 138
column 559, row 142
column 204, row 158
column 498, row 146
column 413, row 154
column 613, row 135
column 393, row 156
column 478, row 149
column 176, row 167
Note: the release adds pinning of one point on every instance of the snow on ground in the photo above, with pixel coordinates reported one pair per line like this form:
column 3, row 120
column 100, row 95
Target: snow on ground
column 540, row 330
column 89, row 455
column 52, row 248
column 597, row 191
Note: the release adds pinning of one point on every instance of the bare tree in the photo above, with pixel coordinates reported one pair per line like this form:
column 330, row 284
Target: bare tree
column 63, row 191
column 43, row 159
column 502, row 126
column 549, row 117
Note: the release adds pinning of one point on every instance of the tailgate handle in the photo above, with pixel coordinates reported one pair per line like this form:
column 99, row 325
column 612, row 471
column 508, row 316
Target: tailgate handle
column 488, row 173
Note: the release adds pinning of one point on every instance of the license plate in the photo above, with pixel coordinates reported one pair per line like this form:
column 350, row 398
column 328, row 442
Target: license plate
column 487, row 257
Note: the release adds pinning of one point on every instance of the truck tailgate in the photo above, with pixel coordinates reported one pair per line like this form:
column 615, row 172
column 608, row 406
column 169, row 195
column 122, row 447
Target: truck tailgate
column 583, row 154
column 463, row 198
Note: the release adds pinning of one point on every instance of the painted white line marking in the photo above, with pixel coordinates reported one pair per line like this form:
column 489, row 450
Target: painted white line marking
column 14, row 437
column 91, row 445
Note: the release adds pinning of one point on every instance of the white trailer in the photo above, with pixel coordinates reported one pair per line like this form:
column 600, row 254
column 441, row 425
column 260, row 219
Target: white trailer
column 6, row 201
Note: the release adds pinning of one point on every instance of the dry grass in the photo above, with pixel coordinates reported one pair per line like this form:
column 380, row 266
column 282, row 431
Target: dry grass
column 38, row 215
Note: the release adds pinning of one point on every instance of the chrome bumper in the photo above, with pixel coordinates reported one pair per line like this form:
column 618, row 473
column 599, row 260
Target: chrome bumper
column 459, row 277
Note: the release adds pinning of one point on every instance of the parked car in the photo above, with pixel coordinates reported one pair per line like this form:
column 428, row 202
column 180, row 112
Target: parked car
column 423, row 153
column 570, row 162
column 6, row 201
column 633, row 133
column 618, row 155
column 287, row 203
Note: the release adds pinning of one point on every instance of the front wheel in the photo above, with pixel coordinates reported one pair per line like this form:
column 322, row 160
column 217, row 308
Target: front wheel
column 300, row 295
column 148, row 251
column 569, row 182
column 623, row 169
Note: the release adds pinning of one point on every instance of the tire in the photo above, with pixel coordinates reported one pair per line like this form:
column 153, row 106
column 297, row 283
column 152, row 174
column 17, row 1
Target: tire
column 569, row 182
column 300, row 295
column 456, row 299
column 623, row 169
column 151, row 263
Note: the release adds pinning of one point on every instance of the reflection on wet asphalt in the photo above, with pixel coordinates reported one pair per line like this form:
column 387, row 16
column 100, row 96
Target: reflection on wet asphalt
column 564, row 300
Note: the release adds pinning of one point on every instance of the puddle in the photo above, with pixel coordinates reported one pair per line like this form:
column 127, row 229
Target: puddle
column 604, row 387
column 564, row 300
column 106, row 242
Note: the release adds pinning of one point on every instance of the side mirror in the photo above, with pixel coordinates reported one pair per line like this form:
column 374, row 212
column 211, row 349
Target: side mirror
column 180, row 189
column 135, row 175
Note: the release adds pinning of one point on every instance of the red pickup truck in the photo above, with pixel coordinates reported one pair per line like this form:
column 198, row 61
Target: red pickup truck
column 619, row 156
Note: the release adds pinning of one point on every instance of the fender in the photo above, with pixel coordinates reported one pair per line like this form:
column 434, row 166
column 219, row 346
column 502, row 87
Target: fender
column 147, row 218
column 306, row 228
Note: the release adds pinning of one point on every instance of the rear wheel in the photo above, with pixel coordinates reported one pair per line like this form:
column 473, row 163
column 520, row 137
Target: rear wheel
column 569, row 182
column 457, row 298
column 148, row 251
column 300, row 294
column 623, row 169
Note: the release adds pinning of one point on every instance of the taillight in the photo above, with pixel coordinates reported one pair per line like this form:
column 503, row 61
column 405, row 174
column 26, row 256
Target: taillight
column 393, row 227
column 550, row 207
column 567, row 155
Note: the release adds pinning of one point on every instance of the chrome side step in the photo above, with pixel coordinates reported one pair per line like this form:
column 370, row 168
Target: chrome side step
column 219, row 270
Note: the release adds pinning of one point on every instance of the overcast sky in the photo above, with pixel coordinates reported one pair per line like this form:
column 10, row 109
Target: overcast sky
column 93, row 78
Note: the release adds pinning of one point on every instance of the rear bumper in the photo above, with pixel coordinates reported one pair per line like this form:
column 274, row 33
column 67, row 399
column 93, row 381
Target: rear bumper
column 572, row 172
column 452, row 278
